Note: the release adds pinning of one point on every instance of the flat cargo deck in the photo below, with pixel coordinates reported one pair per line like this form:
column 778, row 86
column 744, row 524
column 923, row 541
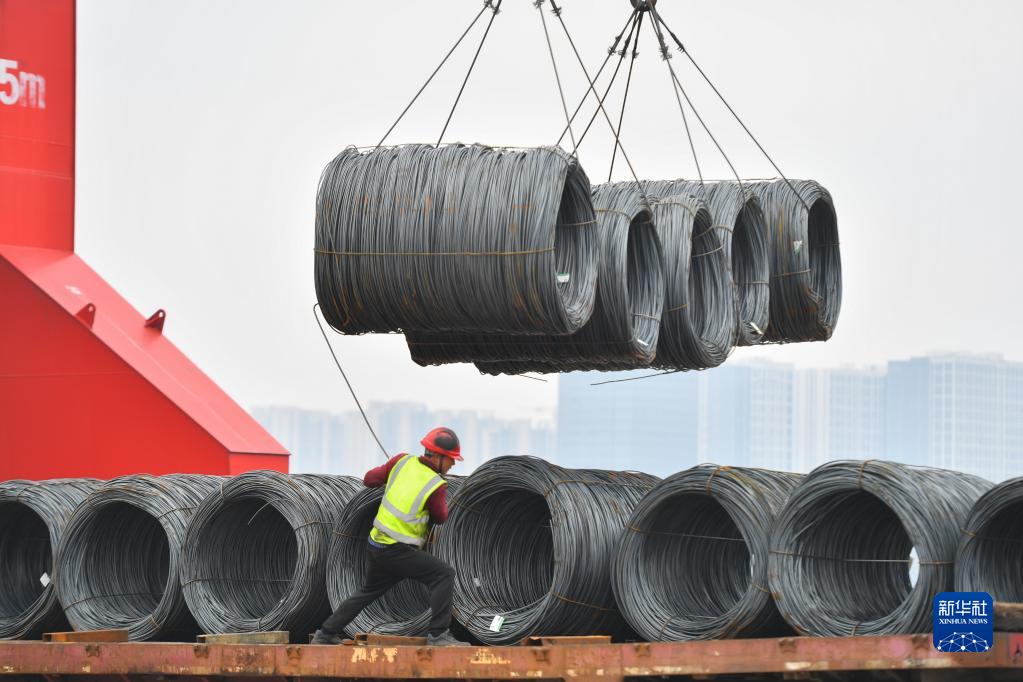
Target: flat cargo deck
column 781, row 658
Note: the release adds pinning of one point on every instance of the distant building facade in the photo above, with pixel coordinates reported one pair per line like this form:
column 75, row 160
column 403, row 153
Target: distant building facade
column 648, row 424
column 956, row 411
column 331, row 443
column 962, row 412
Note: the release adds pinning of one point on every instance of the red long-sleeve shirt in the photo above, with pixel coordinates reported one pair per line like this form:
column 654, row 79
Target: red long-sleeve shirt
column 436, row 503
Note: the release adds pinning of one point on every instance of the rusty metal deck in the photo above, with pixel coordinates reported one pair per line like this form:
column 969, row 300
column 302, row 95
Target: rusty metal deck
column 566, row 661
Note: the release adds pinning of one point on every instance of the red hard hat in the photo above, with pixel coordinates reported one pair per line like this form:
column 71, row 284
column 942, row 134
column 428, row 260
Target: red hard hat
column 443, row 441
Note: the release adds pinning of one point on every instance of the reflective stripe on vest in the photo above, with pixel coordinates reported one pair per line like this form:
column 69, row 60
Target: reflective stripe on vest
column 402, row 516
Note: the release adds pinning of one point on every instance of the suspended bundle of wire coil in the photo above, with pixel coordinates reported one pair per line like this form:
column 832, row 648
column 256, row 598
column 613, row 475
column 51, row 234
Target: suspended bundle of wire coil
column 256, row 551
column 403, row 610
column 739, row 220
column 843, row 546
column 118, row 562
column 990, row 554
column 455, row 238
column 692, row 563
column 698, row 323
column 32, row 520
column 531, row 544
column 806, row 263
column 626, row 318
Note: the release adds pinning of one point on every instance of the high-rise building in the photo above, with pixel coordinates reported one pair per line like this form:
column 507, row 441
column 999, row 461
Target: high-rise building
column 956, row 411
column 838, row 414
column 647, row 424
column 746, row 415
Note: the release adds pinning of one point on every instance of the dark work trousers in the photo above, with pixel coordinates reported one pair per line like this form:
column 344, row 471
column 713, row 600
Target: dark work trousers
column 385, row 568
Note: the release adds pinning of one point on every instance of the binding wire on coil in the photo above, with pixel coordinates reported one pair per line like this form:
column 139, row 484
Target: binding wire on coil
column 806, row 263
column 626, row 318
column 531, row 544
column 404, row 610
column 698, row 322
column 692, row 562
column 256, row 551
column 990, row 551
column 843, row 546
column 463, row 238
column 119, row 559
column 32, row 520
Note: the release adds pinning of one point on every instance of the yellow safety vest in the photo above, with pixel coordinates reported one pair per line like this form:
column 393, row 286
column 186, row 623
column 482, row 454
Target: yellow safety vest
column 402, row 516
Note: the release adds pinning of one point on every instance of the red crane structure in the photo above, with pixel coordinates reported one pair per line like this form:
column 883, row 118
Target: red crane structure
column 88, row 385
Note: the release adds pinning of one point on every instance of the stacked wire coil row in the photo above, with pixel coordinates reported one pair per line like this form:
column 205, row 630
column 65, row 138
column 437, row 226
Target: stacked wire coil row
column 531, row 544
column 119, row 559
column 853, row 548
column 692, row 562
column 32, row 521
column 256, row 552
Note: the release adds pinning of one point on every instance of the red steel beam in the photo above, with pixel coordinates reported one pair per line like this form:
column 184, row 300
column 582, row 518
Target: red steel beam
column 607, row 662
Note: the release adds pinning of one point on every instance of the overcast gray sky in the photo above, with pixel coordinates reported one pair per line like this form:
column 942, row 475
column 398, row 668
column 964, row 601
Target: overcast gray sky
column 203, row 126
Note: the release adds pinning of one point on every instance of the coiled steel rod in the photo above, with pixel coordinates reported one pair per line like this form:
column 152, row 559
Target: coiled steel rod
column 806, row 263
column 692, row 563
column 841, row 549
column 531, row 544
column 698, row 328
column 118, row 561
column 990, row 554
column 32, row 520
column 256, row 552
column 455, row 238
column 405, row 609
column 740, row 223
column 626, row 319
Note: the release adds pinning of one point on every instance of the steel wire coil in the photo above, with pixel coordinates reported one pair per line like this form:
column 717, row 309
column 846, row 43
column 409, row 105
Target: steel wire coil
column 455, row 238
column 118, row 562
column 698, row 328
column 738, row 217
column 256, row 551
column 531, row 545
column 990, row 553
column 843, row 546
column 806, row 262
column 692, row 562
column 33, row 515
column 626, row 318
column 404, row 610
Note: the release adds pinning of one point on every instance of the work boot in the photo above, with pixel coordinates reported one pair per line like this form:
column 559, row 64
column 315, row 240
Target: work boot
column 322, row 637
column 444, row 639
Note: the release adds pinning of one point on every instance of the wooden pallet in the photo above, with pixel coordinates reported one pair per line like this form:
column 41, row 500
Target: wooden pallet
column 87, row 636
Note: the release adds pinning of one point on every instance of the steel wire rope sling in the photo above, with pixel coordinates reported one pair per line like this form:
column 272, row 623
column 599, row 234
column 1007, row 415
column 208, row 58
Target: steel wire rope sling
column 626, row 317
column 119, row 559
column 739, row 220
column 455, row 238
column 692, row 561
column 806, row 263
column 990, row 553
column 698, row 328
column 404, row 610
column 531, row 545
column 842, row 547
column 32, row 520
column 256, row 551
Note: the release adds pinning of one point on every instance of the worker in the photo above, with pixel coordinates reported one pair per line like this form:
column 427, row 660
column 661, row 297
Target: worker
column 414, row 497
